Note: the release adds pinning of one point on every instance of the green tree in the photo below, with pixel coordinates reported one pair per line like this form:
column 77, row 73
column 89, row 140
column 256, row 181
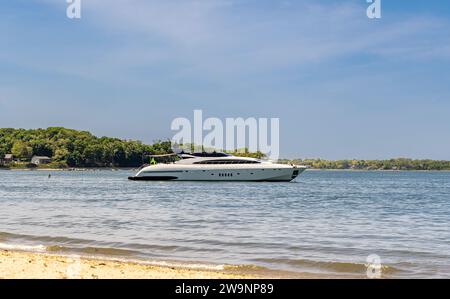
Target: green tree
column 61, row 155
column 22, row 150
column 42, row 148
column 93, row 155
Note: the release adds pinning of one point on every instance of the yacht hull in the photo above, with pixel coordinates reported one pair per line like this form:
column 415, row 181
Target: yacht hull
column 282, row 173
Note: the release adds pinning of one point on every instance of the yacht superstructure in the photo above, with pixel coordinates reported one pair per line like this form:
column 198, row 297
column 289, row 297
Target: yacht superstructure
column 218, row 167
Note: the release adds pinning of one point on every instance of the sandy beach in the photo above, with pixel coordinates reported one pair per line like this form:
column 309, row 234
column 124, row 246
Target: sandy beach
column 21, row 265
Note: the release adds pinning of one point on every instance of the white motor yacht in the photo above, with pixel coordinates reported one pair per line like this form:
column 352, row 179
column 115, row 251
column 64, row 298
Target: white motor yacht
column 218, row 167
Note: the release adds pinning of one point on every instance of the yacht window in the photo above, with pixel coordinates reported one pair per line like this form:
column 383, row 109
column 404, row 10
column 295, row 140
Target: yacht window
column 227, row 162
column 213, row 154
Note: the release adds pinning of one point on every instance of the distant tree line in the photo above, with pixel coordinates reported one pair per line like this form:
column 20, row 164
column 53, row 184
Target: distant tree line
column 246, row 153
column 74, row 148
column 391, row 164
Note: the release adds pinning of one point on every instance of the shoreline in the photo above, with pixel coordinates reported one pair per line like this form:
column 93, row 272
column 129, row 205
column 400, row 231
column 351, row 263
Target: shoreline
column 31, row 265
column 44, row 260
column 19, row 264
column 71, row 169
column 135, row 168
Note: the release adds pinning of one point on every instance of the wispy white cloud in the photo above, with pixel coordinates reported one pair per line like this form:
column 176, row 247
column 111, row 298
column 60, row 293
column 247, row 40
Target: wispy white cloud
column 230, row 38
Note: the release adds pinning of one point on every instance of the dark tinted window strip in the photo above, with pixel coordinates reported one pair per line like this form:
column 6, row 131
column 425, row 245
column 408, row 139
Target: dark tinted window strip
column 163, row 171
column 227, row 162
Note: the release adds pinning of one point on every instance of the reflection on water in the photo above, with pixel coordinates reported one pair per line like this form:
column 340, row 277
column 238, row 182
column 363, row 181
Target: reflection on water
column 326, row 222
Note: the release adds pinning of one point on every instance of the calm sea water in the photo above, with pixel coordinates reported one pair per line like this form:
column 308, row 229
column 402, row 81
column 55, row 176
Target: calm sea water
column 326, row 222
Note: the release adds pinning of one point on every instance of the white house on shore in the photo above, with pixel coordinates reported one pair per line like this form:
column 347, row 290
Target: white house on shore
column 40, row 160
column 9, row 158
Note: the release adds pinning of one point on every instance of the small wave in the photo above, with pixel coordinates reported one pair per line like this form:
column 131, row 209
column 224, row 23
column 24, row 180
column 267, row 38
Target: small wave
column 168, row 264
column 245, row 267
column 4, row 235
column 187, row 265
column 43, row 239
column 92, row 250
column 63, row 244
column 110, row 254
column 158, row 247
column 237, row 244
column 33, row 248
column 341, row 267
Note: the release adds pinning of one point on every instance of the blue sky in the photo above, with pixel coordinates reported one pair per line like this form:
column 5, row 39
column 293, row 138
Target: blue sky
column 343, row 86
